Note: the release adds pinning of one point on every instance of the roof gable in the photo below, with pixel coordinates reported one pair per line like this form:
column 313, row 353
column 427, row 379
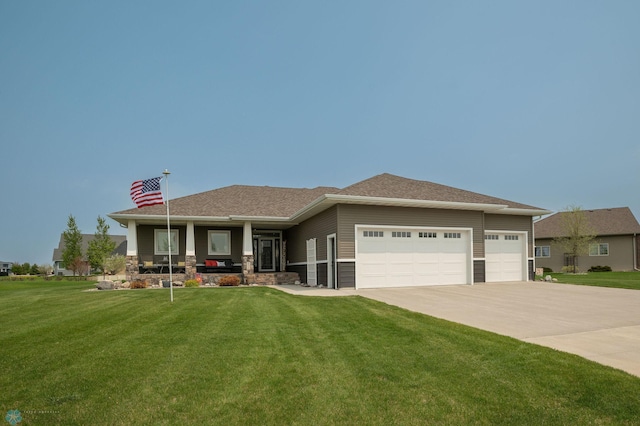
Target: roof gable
column 391, row 186
column 614, row 221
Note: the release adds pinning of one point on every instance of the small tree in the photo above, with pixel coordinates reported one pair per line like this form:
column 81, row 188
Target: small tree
column 577, row 234
column 101, row 247
column 115, row 263
column 72, row 246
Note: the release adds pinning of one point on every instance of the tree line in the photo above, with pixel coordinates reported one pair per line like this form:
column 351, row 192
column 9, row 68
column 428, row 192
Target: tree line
column 99, row 256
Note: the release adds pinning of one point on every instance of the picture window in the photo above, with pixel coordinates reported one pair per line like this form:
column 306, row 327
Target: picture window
column 219, row 243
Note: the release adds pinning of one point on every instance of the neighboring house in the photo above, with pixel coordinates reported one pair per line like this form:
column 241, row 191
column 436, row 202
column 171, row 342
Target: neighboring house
column 5, row 268
column 385, row 231
column 616, row 244
column 58, row 264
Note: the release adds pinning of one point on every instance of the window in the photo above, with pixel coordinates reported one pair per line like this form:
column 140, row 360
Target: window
column 599, row 249
column 490, row 237
column 452, row 235
column 402, row 234
column 543, row 251
column 161, row 242
column 511, row 237
column 427, row 235
column 219, row 242
column 373, row 234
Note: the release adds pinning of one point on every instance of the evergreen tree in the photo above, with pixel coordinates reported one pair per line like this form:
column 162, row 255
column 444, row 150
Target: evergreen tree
column 72, row 245
column 101, row 247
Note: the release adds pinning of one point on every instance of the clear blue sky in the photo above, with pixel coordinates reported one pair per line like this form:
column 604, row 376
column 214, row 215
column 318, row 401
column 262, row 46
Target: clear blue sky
column 537, row 102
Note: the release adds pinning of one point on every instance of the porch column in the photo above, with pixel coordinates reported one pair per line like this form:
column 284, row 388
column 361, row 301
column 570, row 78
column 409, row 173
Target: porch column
column 132, row 248
column 247, row 250
column 190, row 253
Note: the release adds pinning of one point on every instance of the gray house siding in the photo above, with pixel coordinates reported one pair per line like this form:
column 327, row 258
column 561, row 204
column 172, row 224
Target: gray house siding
column 201, row 241
column 351, row 215
column 146, row 240
column 318, row 227
column 620, row 258
column 498, row 222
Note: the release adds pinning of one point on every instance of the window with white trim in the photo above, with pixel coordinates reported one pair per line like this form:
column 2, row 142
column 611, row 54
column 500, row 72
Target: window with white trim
column 600, row 249
column 427, row 235
column 219, row 243
column 373, row 234
column 543, row 251
column 491, row 237
column 400, row 234
column 161, row 242
column 452, row 235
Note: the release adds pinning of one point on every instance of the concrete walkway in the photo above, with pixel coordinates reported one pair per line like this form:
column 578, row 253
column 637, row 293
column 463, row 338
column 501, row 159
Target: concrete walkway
column 597, row 323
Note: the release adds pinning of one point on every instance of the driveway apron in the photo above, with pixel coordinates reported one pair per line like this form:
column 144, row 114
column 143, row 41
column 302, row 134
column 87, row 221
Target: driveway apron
column 597, row 323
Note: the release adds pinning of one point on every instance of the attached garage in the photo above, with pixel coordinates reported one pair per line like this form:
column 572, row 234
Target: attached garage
column 505, row 256
column 409, row 257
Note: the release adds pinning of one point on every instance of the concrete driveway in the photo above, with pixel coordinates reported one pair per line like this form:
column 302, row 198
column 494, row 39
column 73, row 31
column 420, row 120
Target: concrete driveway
column 597, row 323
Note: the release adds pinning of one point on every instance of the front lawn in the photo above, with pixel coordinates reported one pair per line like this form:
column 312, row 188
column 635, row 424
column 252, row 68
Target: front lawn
column 255, row 355
column 602, row 279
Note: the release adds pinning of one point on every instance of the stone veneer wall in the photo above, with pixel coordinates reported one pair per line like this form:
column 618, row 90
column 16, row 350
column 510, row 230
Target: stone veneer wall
column 132, row 266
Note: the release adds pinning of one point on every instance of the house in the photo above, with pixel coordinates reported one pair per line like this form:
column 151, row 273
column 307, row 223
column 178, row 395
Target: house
column 58, row 264
column 384, row 231
column 616, row 244
column 5, row 268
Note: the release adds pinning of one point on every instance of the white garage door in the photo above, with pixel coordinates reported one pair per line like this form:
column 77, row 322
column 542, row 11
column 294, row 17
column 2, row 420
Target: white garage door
column 404, row 257
column 504, row 256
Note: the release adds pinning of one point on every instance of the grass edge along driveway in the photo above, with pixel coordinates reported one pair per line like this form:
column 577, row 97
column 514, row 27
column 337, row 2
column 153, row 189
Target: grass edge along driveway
column 260, row 356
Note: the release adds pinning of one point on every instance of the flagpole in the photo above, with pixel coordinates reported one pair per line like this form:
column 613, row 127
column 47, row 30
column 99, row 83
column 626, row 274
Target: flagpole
column 166, row 174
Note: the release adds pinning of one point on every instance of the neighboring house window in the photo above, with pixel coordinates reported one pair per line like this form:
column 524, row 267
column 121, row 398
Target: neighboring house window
column 219, row 242
column 543, row 251
column 452, row 235
column 427, row 235
column 599, row 249
column 376, row 234
column 402, row 234
column 162, row 242
column 490, row 237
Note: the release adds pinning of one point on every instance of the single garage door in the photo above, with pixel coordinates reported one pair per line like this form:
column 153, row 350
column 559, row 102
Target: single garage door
column 504, row 256
column 402, row 257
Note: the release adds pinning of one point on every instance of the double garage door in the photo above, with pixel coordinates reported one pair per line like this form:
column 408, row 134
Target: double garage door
column 402, row 257
column 408, row 257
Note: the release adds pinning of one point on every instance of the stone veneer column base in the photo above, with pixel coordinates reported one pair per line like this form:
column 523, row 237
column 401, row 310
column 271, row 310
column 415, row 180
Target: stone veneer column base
column 190, row 267
column 131, row 269
column 247, row 267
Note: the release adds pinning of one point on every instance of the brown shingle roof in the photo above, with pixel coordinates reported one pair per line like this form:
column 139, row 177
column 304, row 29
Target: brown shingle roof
column 266, row 201
column 239, row 200
column 391, row 186
column 615, row 221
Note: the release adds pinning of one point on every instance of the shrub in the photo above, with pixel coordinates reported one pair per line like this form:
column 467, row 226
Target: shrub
column 547, row 270
column 191, row 283
column 229, row 280
column 600, row 269
column 138, row 284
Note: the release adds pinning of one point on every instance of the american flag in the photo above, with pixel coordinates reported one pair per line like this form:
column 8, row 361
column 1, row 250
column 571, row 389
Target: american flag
column 146, row 192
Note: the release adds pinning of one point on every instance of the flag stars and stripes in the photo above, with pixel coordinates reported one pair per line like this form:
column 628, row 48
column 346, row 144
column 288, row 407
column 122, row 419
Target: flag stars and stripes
column 146, row 192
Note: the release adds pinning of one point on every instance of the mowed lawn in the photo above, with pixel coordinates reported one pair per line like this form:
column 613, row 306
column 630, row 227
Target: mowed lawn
column 630, row 280
column 254, row 355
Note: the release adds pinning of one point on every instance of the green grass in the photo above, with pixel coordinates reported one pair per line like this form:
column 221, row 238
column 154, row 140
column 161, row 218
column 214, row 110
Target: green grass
column 255, row 355
column 629, row 280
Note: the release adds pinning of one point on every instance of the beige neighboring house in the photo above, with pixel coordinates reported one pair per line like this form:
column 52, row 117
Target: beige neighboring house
column 616, row 244
column 385, row 231
column 58, row 264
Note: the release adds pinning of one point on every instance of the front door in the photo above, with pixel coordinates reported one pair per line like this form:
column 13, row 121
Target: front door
column 266, row 255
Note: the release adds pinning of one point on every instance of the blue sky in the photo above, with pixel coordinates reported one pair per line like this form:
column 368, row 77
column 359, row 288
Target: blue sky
column 536, row 102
